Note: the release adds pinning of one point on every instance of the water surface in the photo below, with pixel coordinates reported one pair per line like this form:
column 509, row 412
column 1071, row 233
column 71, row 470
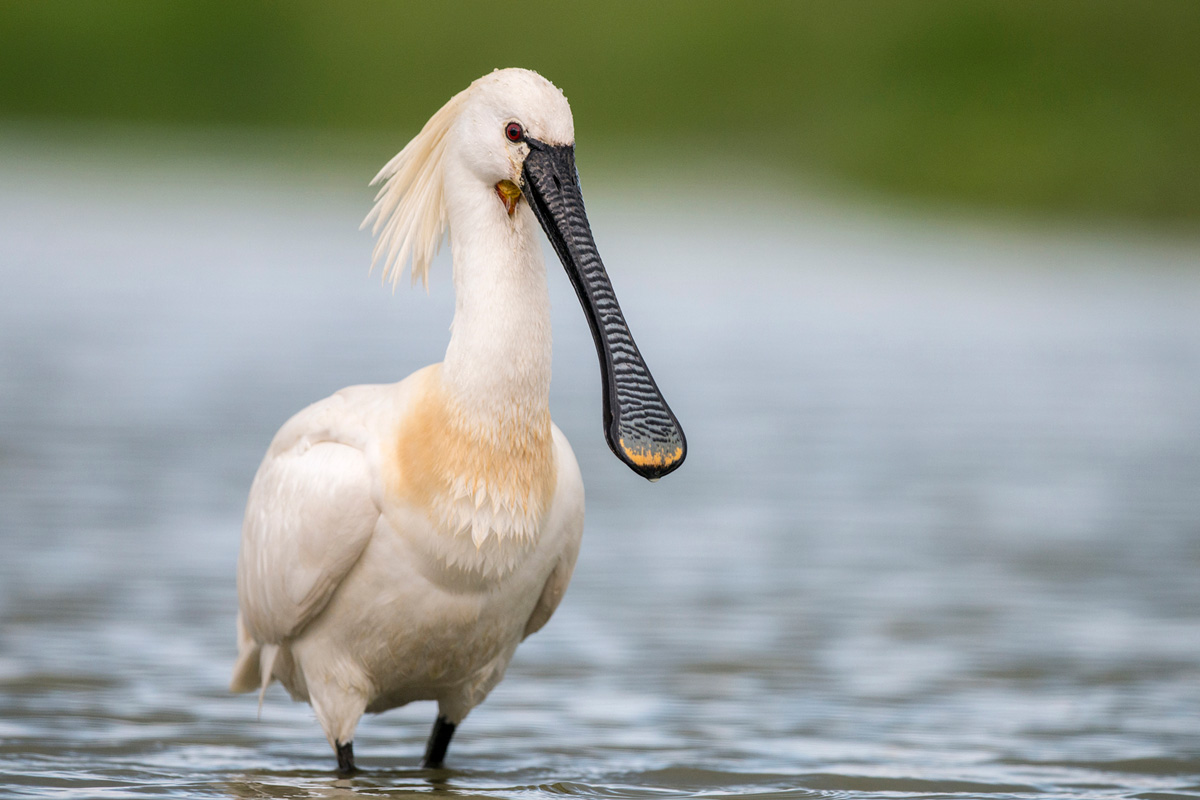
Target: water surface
column 938, row 534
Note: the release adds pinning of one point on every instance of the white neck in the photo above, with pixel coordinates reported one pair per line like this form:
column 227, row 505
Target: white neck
column 497, row 366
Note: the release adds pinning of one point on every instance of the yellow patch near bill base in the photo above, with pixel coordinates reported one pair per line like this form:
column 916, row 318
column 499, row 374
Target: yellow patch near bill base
column 652, row 458
column 509, row 193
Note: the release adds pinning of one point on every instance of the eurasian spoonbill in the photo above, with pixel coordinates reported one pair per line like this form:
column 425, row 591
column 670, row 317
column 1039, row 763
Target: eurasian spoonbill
column 401, row 540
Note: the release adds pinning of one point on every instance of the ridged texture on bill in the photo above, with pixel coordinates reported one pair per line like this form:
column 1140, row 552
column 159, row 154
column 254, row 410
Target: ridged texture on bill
column 639, row 425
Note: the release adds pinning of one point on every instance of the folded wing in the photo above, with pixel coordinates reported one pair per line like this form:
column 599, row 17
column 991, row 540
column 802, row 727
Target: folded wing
column 310, row 515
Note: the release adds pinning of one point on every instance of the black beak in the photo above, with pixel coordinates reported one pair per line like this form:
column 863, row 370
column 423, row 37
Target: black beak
column 638, row 424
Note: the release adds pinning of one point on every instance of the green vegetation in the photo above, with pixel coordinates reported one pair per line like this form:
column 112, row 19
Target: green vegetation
column 1071, row 108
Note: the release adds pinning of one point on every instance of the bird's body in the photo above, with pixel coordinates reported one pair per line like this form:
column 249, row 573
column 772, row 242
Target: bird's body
column 390, row 604
column 401, row 540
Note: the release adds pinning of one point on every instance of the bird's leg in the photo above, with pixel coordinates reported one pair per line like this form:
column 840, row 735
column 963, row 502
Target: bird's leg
column 439, row 740
column 345, row 757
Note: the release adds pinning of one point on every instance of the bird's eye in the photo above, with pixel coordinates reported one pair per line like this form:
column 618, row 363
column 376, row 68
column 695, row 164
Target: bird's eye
column 514, row 131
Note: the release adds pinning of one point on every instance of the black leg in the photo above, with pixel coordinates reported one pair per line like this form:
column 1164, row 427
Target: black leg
column 439, row 740
column 345, row 755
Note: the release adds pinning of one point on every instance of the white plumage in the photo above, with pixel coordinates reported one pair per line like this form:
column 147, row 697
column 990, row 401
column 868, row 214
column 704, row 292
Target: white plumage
column 401, row 540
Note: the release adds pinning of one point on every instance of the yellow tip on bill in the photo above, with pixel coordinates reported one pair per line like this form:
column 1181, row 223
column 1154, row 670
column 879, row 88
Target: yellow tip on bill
column 652, row 458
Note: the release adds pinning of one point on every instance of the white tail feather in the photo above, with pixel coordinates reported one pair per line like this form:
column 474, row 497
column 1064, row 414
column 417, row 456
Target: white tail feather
column 410, row 207
column 266, row 669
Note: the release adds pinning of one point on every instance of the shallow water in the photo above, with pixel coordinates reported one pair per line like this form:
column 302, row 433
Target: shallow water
column 938, row 534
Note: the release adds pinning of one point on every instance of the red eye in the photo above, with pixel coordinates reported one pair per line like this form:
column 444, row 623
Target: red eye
column 514, row 131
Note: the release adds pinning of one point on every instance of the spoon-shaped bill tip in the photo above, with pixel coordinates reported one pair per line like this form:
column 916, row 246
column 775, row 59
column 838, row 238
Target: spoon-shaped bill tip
column 640, row 427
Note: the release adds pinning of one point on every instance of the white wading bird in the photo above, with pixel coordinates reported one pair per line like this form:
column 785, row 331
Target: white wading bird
column 400, row 541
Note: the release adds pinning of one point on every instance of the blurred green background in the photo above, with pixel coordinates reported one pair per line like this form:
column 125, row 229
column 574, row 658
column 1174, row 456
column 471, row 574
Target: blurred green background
column 1065, row 110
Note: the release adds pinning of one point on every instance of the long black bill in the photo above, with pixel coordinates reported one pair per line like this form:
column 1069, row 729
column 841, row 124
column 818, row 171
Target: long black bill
column 638, row 424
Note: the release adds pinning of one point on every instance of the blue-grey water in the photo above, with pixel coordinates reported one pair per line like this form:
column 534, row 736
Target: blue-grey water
column 938, row 533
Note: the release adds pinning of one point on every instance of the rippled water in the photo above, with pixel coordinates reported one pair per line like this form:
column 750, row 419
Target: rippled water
column 938, row 535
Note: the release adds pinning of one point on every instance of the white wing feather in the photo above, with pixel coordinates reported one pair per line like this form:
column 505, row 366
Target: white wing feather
column 570, row 499
column 310, row 515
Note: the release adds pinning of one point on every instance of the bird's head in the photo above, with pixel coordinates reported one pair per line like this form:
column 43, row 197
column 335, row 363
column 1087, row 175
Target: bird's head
column 505, row 118
column 509, row 138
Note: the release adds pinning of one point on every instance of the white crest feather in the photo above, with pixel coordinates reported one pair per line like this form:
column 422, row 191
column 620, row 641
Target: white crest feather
column 410, row 207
